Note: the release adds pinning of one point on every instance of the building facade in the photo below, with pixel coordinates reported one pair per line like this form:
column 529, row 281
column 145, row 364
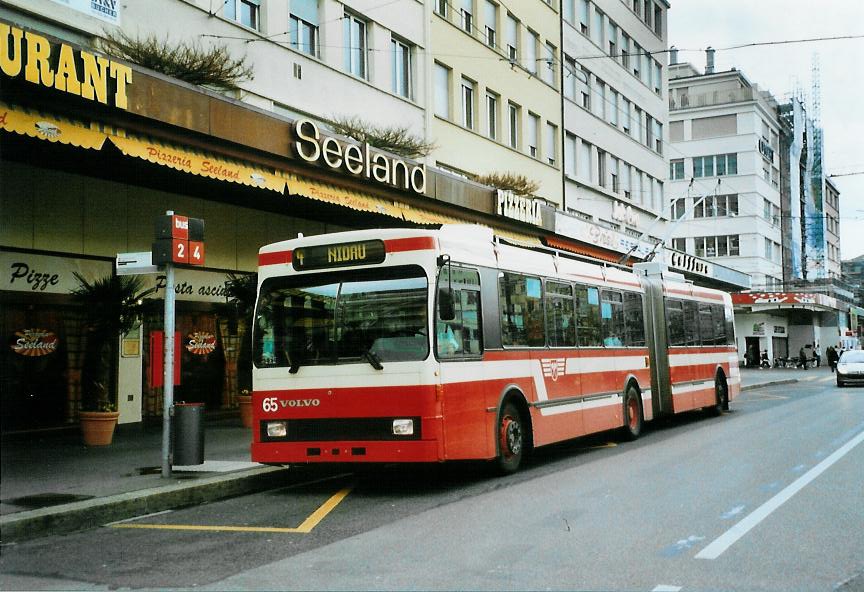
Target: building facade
column 724, row 174
column 95, row 147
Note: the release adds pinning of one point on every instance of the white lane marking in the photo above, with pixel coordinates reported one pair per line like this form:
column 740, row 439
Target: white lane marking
column 666, row 588
column 728, row 538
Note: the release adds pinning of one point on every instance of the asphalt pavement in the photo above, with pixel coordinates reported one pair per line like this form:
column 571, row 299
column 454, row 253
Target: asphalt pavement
column 51, row 483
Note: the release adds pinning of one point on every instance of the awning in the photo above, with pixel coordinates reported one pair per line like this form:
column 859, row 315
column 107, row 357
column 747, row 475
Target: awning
column 341, row 196
column 92, row 136
column 47, row 127
column 522, row 240
column 582, row 249
column 198, row 163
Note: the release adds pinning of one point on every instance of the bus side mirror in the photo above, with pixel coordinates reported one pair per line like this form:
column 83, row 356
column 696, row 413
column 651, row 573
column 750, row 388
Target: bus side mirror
column 445, row 305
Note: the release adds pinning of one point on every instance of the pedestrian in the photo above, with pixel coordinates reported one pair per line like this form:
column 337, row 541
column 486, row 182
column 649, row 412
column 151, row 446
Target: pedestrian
column 832, row 356
column 802, row 358
column 817, row 355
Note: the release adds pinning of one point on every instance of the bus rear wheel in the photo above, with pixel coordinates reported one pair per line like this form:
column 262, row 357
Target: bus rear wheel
column 511, row 439
column 721, row 396
column 632, row 413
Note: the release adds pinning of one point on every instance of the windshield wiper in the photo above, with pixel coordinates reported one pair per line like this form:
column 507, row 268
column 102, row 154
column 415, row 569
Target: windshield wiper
column 373, row 359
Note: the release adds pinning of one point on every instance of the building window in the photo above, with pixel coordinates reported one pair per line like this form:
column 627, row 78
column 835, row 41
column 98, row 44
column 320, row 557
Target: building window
column 613, row 107
column 679, row 244
column 531, row 52
column 625, row 51
column 658, row 21
column 569, row 78
column 355, row 45
column 676, row 169
column 492, row 115
column 402, row 66
column 625, row 111
column 584, row 27
column 245, row 12
column 551, row 143
column 613, row 39
column 533, row 134
column 717, row 246
column 513, row 123
column 441, row 7
column 679, row 208
column 613, row 174
column 658, row 136
column 549, row 66
column 491, row 14
column 442, row 91
column 637, row 60
column 597, row 28
column 303, row 26
column 570, row 155
column 658, row 77
column 468, row 103
column 625, row 180
column 601, row 168
column 583, row 164
column 719, row 165
column 586, row 89
column 467, row 13
column 568, row 10
column 512, row 34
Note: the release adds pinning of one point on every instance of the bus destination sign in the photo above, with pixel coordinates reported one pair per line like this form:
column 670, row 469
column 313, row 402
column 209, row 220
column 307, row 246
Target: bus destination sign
column 340, row 255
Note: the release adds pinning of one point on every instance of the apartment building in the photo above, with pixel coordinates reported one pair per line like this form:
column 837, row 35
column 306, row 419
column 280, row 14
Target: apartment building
column 496, row 84
column 724, row 172
column 615, row 130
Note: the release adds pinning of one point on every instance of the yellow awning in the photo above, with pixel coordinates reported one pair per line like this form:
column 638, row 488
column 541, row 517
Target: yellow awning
column 523, row 240
column 198, row 163
column 423, row 216
column 341, row 196
column 48, row 127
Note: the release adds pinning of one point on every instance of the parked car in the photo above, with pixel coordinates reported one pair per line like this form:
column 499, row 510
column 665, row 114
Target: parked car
column 850, row 368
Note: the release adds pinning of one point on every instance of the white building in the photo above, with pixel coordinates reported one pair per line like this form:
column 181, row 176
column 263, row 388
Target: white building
column 614, row 87
column 724, row 172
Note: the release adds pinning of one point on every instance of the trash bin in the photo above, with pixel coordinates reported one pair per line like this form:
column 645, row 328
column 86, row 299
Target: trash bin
column 188, row 434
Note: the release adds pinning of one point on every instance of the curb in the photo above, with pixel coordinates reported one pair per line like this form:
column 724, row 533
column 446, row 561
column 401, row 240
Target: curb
column 751, row 387
column 22, row 526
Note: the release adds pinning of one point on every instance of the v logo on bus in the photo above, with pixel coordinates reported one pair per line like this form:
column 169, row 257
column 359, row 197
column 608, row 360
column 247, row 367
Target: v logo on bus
column 553, row 367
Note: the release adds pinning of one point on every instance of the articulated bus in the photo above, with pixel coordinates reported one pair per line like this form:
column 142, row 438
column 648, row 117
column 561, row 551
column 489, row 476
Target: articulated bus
column 421, row 345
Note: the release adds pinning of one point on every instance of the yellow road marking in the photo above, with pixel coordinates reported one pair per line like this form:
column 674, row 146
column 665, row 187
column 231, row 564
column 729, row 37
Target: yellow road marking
column 305, row 528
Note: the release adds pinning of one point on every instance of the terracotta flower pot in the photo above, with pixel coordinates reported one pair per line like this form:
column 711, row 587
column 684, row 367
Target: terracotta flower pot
column 245, row 402
column 97, row 427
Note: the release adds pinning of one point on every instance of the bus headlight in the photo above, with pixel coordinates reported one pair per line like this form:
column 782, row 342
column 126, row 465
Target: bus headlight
column 403, row 427
column 277, row 429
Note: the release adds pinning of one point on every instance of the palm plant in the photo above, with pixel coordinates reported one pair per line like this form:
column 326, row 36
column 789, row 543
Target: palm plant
column 112, row 306
column 241, row 290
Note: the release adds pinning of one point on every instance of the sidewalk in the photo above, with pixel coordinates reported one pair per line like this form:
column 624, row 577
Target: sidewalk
column 53, row 484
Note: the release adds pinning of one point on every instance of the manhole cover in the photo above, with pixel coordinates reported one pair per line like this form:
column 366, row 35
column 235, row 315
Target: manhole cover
column 43, row 500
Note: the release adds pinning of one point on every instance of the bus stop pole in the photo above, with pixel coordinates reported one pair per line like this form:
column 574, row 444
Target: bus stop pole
column 168, row 388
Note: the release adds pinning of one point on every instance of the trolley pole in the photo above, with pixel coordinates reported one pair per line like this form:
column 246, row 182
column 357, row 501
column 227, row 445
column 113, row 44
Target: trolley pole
column 168, row 390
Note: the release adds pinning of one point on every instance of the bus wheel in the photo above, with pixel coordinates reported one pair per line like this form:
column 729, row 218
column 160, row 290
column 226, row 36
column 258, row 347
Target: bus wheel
column 721, row 396
column 511, row 439
column 632, row 413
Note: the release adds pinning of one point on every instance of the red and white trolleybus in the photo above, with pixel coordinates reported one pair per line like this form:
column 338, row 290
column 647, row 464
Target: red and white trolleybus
column 432, row 345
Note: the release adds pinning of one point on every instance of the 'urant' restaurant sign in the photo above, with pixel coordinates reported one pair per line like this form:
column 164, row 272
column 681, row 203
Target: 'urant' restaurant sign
column 28, row 55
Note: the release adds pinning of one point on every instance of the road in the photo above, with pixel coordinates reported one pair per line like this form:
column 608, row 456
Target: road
column 769, row 496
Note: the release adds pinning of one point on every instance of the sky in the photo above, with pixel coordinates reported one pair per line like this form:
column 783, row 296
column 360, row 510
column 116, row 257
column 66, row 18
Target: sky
column 698, row 24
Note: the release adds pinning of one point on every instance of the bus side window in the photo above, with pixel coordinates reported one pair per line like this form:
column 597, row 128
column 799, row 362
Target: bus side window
column 460, row 336
column 560, row 321
column 634, row 320
column 718, row 317
column 691, row 323
column 521, row 303
column 706, row 324
column 588, row 316
column 612, row 318
column 675, row 320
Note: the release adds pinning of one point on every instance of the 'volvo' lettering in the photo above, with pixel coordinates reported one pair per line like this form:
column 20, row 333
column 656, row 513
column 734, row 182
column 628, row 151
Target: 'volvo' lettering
column 299, row 402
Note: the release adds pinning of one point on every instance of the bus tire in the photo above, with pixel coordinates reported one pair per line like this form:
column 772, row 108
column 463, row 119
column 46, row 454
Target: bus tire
column 633, row 418
column 510, row 435
column 721, row 396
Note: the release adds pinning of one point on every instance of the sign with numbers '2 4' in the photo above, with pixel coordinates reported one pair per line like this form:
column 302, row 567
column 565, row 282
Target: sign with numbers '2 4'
column 179, row 240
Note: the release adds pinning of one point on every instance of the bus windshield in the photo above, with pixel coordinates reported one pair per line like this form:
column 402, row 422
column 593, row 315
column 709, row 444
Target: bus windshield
column 375, row 315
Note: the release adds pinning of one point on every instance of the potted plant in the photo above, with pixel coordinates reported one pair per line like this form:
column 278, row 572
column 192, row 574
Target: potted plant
column 241, row 290
column 112, row 306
